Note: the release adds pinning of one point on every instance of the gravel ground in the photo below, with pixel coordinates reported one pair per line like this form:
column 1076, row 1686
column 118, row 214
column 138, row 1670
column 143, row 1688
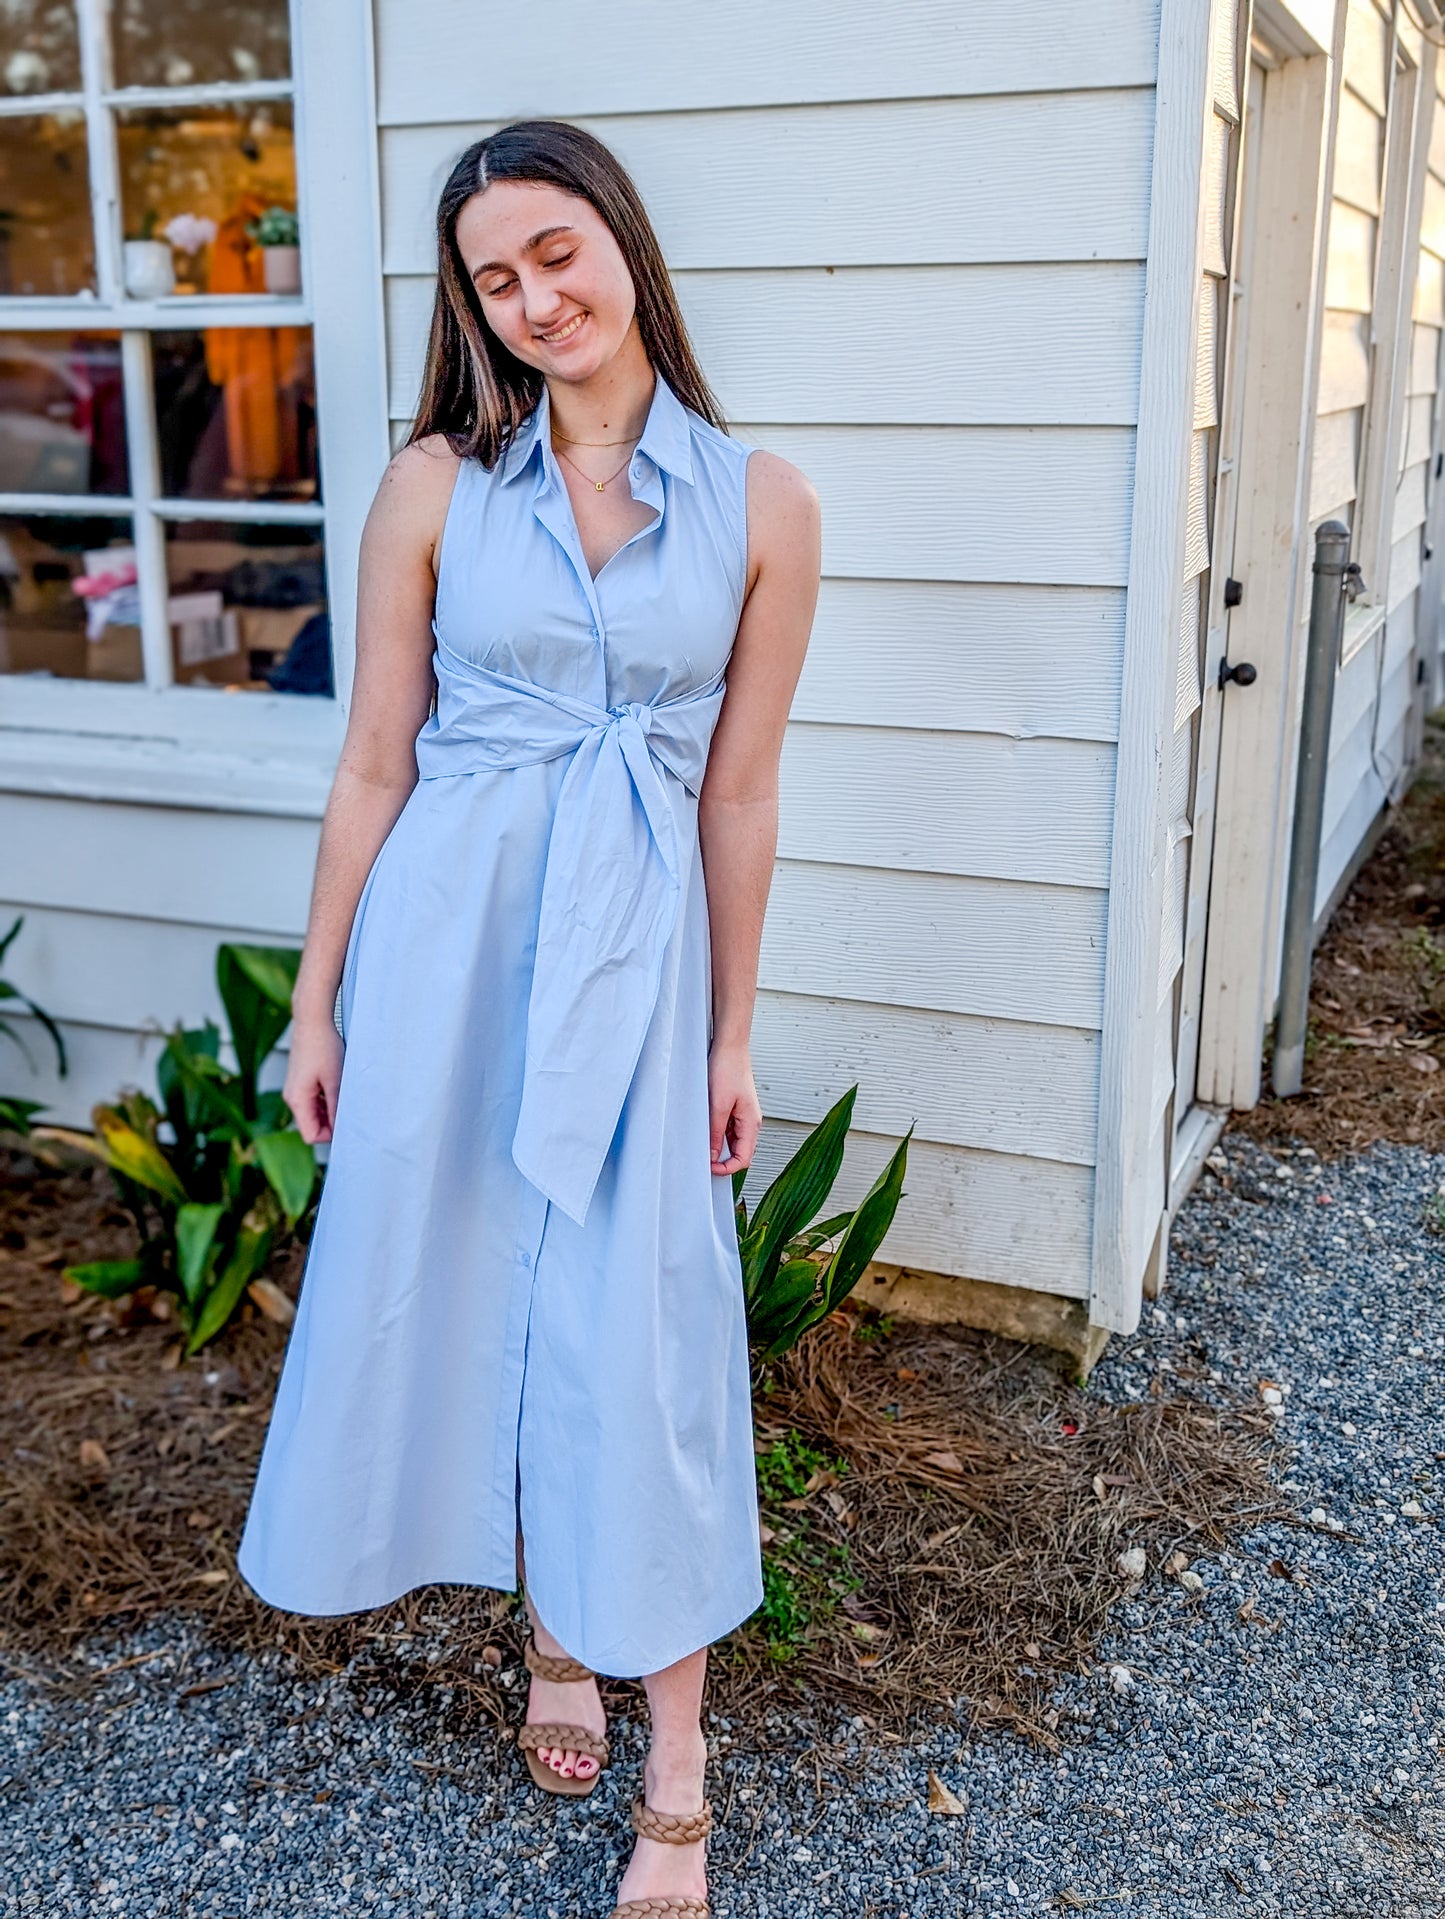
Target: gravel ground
column 1267, row 1744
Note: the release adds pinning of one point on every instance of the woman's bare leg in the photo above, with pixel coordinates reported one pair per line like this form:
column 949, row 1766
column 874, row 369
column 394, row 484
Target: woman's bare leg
column 673, row 1781
column 571, row 1702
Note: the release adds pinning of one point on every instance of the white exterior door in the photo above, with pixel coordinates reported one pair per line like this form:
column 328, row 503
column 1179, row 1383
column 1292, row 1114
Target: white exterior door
column 1224, row 360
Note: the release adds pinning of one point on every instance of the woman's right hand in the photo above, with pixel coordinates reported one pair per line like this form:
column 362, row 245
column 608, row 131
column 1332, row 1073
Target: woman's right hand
column 313, row 1077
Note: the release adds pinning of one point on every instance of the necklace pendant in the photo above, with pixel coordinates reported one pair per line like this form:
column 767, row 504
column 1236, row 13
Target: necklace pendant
column 600, row 484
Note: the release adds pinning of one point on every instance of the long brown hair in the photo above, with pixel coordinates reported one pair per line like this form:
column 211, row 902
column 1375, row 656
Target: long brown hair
column 474, row 390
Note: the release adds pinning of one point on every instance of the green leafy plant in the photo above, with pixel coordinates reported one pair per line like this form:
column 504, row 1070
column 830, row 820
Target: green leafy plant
column 807, row 1572
column 277, row 227
column 212, row 1200
column 15, row 1113
column 793, row 1271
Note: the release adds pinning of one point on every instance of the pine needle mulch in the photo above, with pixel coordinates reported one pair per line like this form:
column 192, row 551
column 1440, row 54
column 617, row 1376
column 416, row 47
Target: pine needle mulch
column 944, row 1511
column 1375, row 1045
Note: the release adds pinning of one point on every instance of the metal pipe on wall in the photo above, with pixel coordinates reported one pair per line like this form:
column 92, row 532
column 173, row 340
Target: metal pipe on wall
column 1335, row 578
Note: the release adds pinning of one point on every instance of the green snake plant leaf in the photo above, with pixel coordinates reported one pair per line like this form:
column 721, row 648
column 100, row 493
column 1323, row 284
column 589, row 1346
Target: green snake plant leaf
column 866, row 1229
column 781, row 1304
column 799, row 1189
column 253, row 1245
column 196, row 1228
column 108, row 1277
column 290, row 1166
column 256, row 984
column 136, row 1157
column 16, row 1114
column 7, row 991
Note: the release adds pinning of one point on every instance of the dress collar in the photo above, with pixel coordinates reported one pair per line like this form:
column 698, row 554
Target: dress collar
column 666, row 436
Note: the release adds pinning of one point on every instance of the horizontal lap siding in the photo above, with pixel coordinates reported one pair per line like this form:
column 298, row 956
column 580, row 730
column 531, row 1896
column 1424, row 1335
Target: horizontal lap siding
column 1370, row 738
column 124, row 907
column 827, row 196
column 1345, row 400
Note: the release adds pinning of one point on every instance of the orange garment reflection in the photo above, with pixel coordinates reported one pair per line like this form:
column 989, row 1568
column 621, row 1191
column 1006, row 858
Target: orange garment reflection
column 262, row 371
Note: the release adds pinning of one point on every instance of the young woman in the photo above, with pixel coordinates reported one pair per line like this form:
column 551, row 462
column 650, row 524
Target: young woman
column 520, row 1352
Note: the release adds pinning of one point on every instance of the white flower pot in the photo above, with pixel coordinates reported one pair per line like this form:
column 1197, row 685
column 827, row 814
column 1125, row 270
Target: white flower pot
column 282, row 268
column 150, row 271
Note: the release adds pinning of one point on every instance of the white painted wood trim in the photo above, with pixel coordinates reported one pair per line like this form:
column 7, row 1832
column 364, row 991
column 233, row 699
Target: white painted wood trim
column 336, row 143
column 1183, row 111
column 1197, row 1138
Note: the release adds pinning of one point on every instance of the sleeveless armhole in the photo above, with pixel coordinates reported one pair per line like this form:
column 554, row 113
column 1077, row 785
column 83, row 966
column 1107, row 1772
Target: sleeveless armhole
column 746, row 542
column 457, row 479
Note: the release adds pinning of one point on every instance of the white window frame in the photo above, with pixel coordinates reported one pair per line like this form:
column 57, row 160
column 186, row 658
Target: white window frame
column 252, row 751
column 1407, row 130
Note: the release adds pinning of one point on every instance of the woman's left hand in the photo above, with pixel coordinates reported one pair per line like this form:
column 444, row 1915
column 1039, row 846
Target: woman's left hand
column 737, row 1118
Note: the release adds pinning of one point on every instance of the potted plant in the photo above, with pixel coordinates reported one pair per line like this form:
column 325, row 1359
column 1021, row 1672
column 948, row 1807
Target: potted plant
column 150, row 271
column 188, row 233
column 277, row 233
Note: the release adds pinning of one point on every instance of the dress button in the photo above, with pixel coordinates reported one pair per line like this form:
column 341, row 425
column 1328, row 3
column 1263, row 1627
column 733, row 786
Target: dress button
column 526, row 1259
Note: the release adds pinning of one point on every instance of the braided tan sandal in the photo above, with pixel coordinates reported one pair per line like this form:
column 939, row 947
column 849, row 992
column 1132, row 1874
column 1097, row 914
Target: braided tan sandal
column 673, row 1829
column 531, row 1734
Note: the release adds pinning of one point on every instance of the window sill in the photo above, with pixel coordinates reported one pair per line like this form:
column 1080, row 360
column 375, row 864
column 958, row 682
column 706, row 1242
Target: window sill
column 184, row 747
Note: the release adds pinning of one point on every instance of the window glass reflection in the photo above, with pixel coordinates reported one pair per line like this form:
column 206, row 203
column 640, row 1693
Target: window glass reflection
column 236, row 410
column 208, row 199
column 46, row 244
column 40, row 47
column 248, row 607
column 177, row 43
column 67, row 598
column 62, row 414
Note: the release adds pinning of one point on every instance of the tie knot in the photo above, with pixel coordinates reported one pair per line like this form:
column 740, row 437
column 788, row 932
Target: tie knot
column 636, row 710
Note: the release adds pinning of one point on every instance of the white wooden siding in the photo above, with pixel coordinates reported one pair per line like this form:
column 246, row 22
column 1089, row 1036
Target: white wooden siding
column 1030, row 177
column 1370, row 739
column 456, row 60
column 936, row 927
column 1024, row 344
column 936, row 924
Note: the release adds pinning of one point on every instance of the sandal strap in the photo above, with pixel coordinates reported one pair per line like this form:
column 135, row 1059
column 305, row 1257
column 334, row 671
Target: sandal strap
column 674, row 1908
column 553, row 1666
column 532, row 1734
column 672, row 1828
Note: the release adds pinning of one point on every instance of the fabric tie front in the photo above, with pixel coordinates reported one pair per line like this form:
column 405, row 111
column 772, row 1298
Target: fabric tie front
column 610, row 892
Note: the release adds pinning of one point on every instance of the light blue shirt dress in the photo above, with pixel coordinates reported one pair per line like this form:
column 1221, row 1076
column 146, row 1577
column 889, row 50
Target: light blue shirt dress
column 523, row 1293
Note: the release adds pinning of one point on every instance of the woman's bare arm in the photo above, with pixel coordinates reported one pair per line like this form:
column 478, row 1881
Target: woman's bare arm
column 376, row 770
column 738, row 806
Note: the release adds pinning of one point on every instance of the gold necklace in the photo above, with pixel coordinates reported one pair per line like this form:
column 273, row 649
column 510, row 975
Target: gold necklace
column 571, row 442
column 599, row 484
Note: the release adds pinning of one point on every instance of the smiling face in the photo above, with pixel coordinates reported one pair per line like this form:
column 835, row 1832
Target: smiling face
column 550, row 278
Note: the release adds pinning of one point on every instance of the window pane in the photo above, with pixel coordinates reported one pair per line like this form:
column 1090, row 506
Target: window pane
column 236, row 411
column 178, row 43
column 248, row 607
column 62, row 414
column 46, row 626
column 46, row 245
column 194, row 182
column 39, row 47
